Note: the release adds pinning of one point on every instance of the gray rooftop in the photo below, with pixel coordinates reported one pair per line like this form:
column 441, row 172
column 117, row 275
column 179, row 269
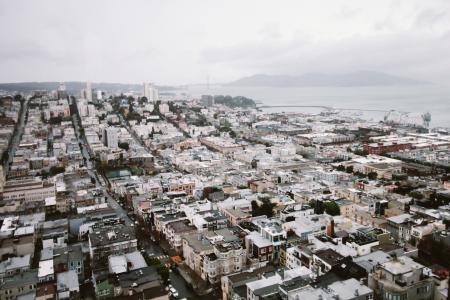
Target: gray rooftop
column 111, row 235
column 26, row 278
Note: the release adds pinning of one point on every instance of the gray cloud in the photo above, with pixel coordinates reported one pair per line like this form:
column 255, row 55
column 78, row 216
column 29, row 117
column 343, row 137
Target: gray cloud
column 184, row 41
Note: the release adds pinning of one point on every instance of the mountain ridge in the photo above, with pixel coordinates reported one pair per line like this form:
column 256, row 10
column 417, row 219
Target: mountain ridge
column 358, row 78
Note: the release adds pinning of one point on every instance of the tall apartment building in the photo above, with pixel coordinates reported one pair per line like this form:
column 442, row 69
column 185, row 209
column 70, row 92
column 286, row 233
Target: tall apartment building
column 111, row 138
column 88, row 91
column 150, row 92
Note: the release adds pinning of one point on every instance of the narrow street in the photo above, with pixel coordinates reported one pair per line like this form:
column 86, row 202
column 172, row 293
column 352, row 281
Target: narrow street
column 153, row 249
column 120, row 211
column 17, row 136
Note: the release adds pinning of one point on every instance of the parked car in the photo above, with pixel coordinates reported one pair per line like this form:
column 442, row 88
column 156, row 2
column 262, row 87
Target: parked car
column 173, row 292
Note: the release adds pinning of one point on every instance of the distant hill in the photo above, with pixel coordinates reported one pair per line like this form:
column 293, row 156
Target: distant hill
column 360, row 78
column 74, row 87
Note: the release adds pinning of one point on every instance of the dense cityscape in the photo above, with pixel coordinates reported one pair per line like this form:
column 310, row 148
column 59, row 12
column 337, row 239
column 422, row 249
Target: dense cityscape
column 161, row 195
column 225, row 150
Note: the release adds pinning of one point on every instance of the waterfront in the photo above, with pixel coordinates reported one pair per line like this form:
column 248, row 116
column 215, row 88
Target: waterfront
column 417, row 99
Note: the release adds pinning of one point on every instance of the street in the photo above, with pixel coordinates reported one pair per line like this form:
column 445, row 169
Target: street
column 120, row 211
column 150, row 247
column 17, row 136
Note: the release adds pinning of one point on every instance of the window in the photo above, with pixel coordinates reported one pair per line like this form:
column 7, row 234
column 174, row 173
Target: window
column 423, row 289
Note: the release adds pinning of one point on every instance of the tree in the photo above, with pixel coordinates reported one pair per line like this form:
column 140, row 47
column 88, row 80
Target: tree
column 349, row 169
column 317, row 205
column 17, row 97
column 124, row 146
column 44, row 173
column 254, row 205
column 55, row 120
column 160, row 268
column 163, row 272
column 266, row 209
column 416, row 195
column 56, row 170
column 340, row 168
column 5, row 157
column 332, row 208
column 359, row 174
column 372, row 175
column 361, row 152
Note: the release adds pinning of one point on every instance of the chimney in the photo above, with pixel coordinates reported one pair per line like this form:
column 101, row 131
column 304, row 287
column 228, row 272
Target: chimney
column 330, row 227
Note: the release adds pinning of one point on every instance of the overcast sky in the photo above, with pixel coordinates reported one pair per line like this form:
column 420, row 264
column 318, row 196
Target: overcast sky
column 179, row 42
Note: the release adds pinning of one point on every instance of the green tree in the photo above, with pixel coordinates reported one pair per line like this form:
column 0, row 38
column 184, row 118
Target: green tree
column 416, row 195
column 124, row 146
column 340, row 168
column 163, row 271
column 372, row 175
column 332, row 208
column 17, row 97
column 266, row 209
column 359, row 174
column 56, row 170
column 254, row 205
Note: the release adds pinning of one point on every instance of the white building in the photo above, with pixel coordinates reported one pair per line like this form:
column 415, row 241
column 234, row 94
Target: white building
column 67, row 285
column 150, row 92
column 164, row 108
column 111, row 138
column 30, row 189
column 88, row 91
column 91, row 111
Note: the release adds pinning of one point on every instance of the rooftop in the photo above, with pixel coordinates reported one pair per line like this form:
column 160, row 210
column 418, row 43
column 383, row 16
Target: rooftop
column 401, row 265
column 67, row 280
column 22, row 279
column 138, row 277
column 45, row 268
column 111, row 235
column 329, row 256
column 198, row 242
column 349, row 289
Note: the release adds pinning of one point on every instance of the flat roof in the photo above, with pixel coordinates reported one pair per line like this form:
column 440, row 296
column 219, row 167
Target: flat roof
column 401, row 265
column 45, row 268
column 330, row 256
column 349, row 289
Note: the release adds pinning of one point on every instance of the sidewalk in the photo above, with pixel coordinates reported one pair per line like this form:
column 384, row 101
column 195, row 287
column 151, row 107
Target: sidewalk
column 199, row 286
column 164, row 244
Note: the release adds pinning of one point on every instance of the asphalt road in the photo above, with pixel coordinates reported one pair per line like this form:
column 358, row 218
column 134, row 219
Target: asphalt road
column 148, row 245
column 120, row 211
column 17, row 135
